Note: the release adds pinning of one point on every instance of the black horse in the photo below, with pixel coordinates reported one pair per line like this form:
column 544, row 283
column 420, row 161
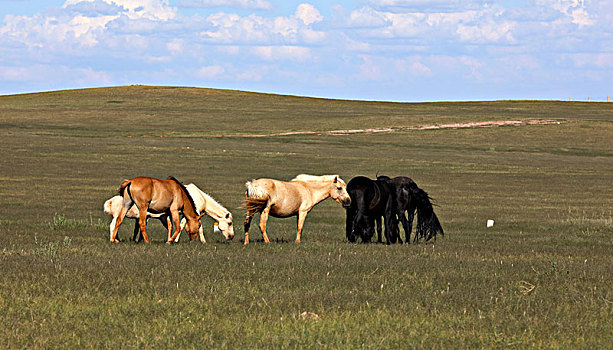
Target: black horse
column 410, row 198
column 371, row 200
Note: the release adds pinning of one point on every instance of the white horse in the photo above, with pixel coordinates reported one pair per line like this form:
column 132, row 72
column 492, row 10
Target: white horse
column 204, row 203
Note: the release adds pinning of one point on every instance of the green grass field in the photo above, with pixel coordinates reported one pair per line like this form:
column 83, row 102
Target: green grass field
column 540, row 278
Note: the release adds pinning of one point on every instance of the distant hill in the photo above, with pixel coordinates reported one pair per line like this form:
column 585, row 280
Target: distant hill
column 201, row 111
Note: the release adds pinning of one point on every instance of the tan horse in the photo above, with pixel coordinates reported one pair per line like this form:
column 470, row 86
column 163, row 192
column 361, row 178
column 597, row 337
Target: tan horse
column 204, row 204
column 284, row 199
column 158, row 196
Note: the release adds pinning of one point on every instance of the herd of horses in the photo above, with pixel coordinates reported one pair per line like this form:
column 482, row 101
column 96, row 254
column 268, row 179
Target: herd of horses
column 367, row 202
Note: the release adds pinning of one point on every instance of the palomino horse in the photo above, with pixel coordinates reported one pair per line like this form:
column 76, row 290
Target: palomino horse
column 158, row 196
column 284, row 199
column 204, row 203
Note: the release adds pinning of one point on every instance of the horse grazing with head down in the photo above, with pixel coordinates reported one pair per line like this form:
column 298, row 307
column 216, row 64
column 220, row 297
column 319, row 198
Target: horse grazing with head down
column 390, row 199
column 284, row 199
column 158, row 196
column 370, row 200
column 410, row 198
column 204, row 204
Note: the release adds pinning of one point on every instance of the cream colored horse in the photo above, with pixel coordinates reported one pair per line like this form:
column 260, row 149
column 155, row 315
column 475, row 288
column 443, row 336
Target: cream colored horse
column 204, row 203
column 284, row 199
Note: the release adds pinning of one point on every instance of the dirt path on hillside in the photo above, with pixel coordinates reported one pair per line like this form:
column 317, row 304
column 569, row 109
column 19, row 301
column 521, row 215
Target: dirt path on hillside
column 486, row 124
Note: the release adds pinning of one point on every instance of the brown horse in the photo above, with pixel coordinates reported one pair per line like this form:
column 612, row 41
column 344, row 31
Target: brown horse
column 284, row 199
column 158, row 196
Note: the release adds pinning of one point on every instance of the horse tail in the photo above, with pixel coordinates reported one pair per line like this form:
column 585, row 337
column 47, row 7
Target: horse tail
column 112, row 204
column 428, row 225
column 125, row 185
column 256, row 198
column 107, row 206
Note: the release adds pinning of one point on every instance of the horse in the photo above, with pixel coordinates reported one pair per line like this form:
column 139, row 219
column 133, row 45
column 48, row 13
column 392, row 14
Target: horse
column 204, row 203
column 208, row 205
column 158, row 196
column 370, row 200
column 284, row 199
column 410, row 198
column 113, row 206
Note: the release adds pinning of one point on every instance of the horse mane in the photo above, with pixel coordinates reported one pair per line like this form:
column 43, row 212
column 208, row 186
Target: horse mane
column 184, row 189
column 208, row 197
column 307, row 178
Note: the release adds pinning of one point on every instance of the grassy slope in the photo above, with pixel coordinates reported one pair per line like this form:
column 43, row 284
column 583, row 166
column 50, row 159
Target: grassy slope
column 548, row 188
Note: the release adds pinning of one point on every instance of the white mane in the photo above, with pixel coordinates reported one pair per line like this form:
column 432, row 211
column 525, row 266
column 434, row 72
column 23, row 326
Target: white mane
column 209, row 198
column 306, row 178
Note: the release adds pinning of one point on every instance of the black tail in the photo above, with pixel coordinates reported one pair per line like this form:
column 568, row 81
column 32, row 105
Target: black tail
column 428, row 225
column 125, row 185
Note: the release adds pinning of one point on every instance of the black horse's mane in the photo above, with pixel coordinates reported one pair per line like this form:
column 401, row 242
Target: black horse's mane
column 191, row 200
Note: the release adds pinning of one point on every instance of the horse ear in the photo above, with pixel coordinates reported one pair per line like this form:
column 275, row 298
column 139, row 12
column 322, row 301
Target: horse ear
column 336, row 179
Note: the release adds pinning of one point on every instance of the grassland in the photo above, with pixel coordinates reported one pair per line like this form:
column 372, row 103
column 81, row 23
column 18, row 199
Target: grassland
column 548, row 187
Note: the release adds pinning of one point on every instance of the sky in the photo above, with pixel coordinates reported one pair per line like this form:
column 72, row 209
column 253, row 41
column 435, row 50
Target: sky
column 385, row 50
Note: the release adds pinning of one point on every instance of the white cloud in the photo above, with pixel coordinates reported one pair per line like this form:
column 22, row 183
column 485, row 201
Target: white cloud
column 575, row 10
column 82, row 23
column 159, row 10
column 487, row 25
column 274, row 53
column 41, row 73
column 308, row 14
column 176, row 46
column 210, row 72
column 242, row 4
column 488, row 31
column 230, row 28
column 370, row 69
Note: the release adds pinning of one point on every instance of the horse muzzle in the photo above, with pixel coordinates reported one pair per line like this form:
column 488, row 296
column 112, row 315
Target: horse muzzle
column 346, row 203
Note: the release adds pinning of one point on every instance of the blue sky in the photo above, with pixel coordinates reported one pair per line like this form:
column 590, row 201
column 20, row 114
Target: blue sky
column 393, row 50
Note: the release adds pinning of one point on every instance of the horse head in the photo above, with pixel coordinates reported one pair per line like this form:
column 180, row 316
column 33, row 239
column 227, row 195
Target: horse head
column 193, row 226
column 225, row 226
column 339, row 192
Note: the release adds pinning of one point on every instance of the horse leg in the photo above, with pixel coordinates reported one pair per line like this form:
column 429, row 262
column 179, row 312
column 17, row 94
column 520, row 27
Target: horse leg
column 395, row 230
column 167, row 223
column 142, row 222
column 112, row 227
column 248, row 218
column 349, row 225
column 201, row 234
column 135, row 235
column 411, row 217
column 378, row 224
column 301, row 217
column 263, row 220
column 122, row 215
column 177, row 224
column 405, row 226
